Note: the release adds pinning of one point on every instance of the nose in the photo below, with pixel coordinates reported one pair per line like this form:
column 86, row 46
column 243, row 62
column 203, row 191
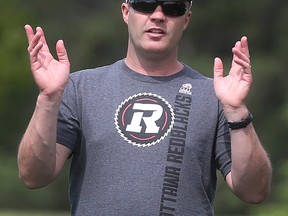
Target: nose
column 158, row 14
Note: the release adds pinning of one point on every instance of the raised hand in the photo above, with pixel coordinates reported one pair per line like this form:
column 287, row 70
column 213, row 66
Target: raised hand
column 50, row 75
column 233, row 89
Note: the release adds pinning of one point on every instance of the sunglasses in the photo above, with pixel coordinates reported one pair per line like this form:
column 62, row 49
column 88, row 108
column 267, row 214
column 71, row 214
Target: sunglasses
column 170, row 8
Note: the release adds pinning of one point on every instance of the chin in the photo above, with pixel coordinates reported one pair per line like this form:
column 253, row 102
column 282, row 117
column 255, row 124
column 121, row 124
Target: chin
column 156, row 48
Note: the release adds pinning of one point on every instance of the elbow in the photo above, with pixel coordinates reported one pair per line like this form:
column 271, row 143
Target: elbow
column 258, row 193
column 34, row 177
column 32, row 183
column 255, row 197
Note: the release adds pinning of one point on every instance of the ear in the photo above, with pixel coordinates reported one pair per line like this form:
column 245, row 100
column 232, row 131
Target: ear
column 187, row 19
column 125, row 12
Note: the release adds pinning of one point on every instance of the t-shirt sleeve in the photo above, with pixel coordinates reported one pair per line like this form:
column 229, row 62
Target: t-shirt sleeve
column 68, row 127
column 223, row 146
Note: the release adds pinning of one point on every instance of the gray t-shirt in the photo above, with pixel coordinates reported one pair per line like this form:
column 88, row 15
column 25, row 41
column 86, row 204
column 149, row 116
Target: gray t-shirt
column 143, row 145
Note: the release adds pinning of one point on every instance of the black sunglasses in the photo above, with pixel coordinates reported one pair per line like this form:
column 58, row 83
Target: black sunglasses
column 170, row 8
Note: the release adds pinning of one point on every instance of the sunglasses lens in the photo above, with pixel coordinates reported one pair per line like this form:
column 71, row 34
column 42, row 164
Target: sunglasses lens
column 170, row 8
column 174, row 9
column 144, row 6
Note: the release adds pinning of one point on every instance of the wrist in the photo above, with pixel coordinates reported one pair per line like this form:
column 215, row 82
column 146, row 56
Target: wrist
column 243, row 123
column 235, row 114
column 55, row 96
column 51, row 100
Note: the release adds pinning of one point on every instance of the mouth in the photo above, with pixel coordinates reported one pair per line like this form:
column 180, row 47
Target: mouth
column 156, row 31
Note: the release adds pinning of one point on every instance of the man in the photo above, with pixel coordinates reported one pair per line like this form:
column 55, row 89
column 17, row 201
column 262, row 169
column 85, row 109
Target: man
column 147, row 133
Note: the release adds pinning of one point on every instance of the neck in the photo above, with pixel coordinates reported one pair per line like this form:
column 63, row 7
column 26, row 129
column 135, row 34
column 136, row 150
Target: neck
column 154, row 65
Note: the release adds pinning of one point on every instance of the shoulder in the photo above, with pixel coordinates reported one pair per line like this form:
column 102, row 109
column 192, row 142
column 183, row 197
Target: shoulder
column 194, row 74
column 105, row 70
column 199, row 80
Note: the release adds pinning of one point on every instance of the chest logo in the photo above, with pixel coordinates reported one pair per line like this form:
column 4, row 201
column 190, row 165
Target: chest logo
column 144, row 119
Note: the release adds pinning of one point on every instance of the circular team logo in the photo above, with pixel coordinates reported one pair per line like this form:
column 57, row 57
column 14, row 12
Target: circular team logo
column 144, row 119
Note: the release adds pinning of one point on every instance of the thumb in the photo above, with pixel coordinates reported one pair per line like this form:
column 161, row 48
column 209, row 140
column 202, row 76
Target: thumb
column 62, row 53
column 218, row 68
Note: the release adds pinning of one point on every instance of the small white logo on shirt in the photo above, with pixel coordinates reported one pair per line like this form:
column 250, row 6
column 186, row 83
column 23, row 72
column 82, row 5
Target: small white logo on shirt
column 186, row 89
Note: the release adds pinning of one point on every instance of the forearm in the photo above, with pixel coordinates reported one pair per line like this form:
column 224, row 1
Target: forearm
column 37, row 150
column 251, row 168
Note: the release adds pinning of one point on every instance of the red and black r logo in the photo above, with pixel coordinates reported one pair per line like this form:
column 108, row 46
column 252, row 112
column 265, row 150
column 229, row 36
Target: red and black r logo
column 144, row 119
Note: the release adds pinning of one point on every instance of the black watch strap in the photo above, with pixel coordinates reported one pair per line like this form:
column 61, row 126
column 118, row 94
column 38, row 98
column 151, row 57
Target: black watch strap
column 241, row 124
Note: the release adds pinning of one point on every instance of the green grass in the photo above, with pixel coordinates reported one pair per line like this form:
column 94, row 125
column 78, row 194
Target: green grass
column 33, row 213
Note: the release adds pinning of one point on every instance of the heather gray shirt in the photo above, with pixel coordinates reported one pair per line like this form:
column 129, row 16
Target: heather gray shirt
column 143, row 145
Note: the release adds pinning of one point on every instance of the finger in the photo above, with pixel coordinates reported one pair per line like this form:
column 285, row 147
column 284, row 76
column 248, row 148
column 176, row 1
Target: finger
column 62, row 53
column 241, row 59
column 245, row 46
column 35, row 51
column 243, row 64
column 218, row 68
column 29, row 33
column 236, row 52
column 34, row 42
column 35, row 54
column 39, row 37
column 40, row 30
column 43, row 38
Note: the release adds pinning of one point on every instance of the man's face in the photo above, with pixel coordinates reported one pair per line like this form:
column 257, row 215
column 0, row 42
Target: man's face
column 154, row 32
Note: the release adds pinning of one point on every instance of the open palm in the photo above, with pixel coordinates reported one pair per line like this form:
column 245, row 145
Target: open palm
column 50, row 75
column 233, row 89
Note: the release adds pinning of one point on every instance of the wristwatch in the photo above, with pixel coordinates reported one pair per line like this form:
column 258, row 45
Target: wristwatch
column 241, row 124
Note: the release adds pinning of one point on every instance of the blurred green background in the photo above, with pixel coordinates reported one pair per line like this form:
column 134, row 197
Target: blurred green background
column 95, row 35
